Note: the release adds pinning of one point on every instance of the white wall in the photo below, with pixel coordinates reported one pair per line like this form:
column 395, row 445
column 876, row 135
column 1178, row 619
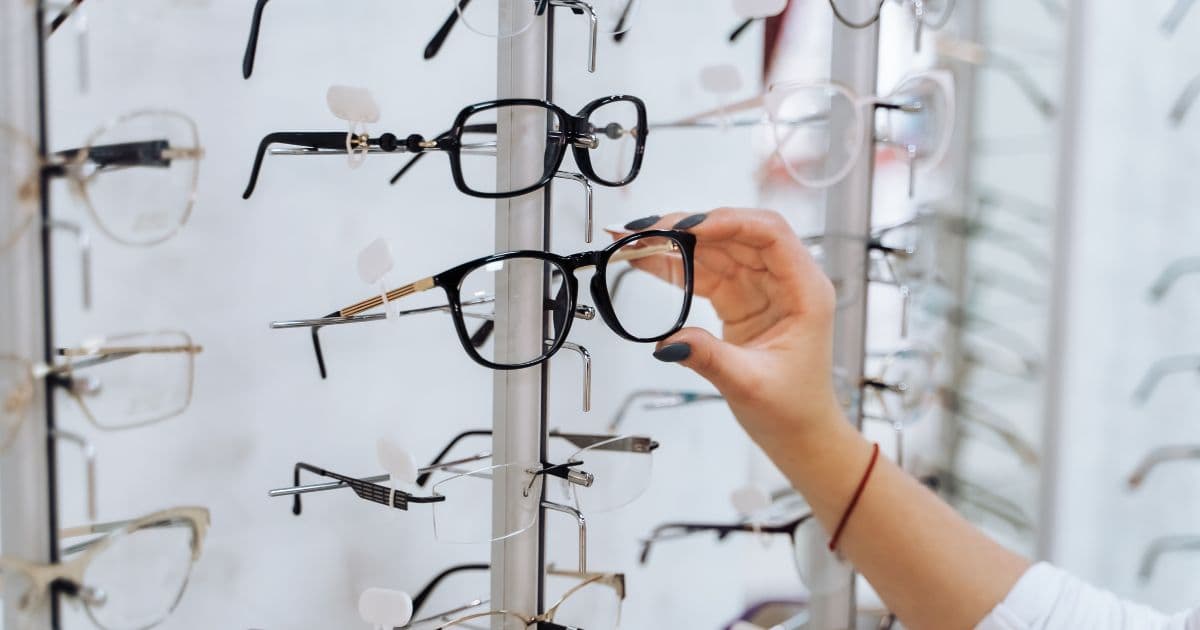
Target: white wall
column 290, row 251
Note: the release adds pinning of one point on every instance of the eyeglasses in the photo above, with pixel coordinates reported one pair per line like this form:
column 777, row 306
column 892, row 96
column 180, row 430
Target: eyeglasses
column 592, row 601
column 1161, row 547
column 965, row 494
column 600, row 608
column 801, row 113
column 1174, row 17
column 139, row 191
column 980, row 420
column 131, row 576
column 483, row 17
column 1159, row 456
column 932, row 14
column 457, row 500
column 667, row 253
column 620, row 466
column 787, row 515
column 601, row 137
column 121, row 382
column 1160, row 370
column 659, row 399
column 903, row 390
column 979, row 55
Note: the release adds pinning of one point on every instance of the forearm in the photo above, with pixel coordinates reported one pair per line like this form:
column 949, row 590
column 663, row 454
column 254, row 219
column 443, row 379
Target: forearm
column 929, row 565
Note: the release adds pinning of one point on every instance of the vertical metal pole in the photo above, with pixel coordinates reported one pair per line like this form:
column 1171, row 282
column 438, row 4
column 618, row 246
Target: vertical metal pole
column 848, row 211
column 519, row 396
column 27, row 518
column 1064, row 233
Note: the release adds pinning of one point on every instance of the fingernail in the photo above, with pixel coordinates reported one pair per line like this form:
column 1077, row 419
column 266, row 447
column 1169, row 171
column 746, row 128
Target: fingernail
column 690, row 221
column 673, row 353
column 643, row 223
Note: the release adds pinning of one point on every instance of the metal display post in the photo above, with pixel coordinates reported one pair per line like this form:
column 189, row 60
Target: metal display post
column 519, row 396
column 848, row 211
column 27, row 518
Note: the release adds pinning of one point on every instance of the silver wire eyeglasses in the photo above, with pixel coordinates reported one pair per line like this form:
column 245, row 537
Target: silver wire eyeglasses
column 126, row 574
column 593, row 601
column 120, row 382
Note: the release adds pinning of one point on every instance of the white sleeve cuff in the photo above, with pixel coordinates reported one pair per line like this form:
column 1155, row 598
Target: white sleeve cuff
column 1047, row 598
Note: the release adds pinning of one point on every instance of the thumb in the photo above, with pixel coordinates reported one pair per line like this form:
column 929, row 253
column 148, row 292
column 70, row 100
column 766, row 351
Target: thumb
column 721, row 363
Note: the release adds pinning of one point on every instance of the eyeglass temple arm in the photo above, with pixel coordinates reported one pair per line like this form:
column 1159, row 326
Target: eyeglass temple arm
column 680, row 399
column 1159, row 456
column 84, row 240
column 1162, row 546
column 485, row 128
column 1172, row 273
column 63, row 15
column 976, row 415
column 312, row 140
column 423, row 478
column 419, row 600
column 1160, row 369
column 252, row 42
column 741, row 28
column 622, row 22
column 1174, row 17
column 580, row 521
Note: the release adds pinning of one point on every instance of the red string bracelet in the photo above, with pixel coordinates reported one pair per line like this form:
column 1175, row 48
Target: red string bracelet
column 862, row 485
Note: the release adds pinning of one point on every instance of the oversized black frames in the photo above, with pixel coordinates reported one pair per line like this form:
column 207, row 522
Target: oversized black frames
column 667, row 254
column 607, row 138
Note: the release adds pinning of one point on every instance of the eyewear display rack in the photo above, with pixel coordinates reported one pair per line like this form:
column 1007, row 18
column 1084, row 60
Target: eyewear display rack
column 524, row 70
column 28, row 519
column 854, row 64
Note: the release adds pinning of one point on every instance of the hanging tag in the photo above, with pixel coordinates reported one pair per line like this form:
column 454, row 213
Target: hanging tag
column 356, row 106
column 374, row 263
column 721, row 80
column 385, row 608
column 751, row 502
column 758, row 9
column 400, row 465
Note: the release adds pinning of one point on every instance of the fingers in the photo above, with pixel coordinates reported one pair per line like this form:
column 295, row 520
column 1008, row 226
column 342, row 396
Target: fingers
column 723, row 364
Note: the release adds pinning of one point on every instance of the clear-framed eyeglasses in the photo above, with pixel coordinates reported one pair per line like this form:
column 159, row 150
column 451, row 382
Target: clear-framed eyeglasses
column 120, row 382
column 127, row 575
column 137, row 176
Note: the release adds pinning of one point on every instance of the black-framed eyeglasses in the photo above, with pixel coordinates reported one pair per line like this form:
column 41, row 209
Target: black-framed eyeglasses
column 671, row 531
column 667, row 254
column 607, row 138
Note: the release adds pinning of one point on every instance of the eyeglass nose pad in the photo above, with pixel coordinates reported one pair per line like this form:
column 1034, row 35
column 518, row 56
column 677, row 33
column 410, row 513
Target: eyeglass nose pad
column 558, row 306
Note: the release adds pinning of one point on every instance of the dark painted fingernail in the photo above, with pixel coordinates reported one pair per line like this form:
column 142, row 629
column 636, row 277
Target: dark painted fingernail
column 643, row 222
column 690, row 222
column 673, row 353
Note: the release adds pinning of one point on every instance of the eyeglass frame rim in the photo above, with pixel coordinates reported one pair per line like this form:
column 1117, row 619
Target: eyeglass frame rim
column 45, row 578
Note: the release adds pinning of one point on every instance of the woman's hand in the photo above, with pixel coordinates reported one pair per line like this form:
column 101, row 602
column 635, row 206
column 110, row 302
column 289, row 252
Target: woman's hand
column 774, row 362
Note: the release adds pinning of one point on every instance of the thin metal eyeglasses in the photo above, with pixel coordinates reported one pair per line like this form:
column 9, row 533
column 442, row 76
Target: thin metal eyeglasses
column 473, row 284
column 150, row 380
column 105, row 576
